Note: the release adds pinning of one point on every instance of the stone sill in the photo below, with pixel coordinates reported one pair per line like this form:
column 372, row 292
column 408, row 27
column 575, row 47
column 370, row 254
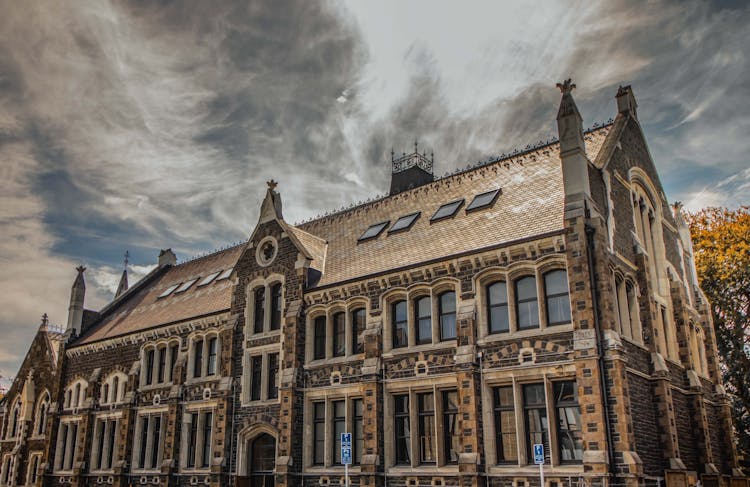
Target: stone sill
column 425, row 347
column 532, row 333
column 533, row 470
column 321, row 362
column 332, row 470
column 423, row 469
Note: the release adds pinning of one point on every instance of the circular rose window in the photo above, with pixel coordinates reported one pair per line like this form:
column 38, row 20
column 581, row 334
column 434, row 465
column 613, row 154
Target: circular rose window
column 266, row 251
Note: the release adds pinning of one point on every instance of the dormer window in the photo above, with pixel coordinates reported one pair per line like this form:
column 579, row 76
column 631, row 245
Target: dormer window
column 404, row 223
column 374, row 230
column 483, row 200
column 447, row 210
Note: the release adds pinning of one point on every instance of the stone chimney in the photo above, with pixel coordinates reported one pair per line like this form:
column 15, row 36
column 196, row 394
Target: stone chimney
column 626, row 103
column 572, row 146
column 167, row 257
column 75, row 310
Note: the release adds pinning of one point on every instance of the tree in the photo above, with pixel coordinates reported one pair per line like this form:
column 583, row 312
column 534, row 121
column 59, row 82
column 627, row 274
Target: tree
column 721, row 244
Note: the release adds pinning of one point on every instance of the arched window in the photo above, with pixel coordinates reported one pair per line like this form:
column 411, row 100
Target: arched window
column 77, row 395
column 556, row 297
column 212, row 353
column 41, row 415
column 447, row 312
column 260, row 306
column 497, row 307
column 423, row 317
column 115, row 389
column 276, row 306
column 320, row 338
column 359, row 323
column 339, row 334
column 15, row 416
column 105, row 394
column 68, row 399
column 527, row 306
column 261, row 460
column 400, row 325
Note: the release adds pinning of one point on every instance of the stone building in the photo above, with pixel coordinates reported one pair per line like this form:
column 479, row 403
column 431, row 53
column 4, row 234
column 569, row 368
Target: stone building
column 545, row 297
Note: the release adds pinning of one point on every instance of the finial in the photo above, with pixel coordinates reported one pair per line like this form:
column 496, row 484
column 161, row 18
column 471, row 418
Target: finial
column 45, row 319
column 566, row 86
column 416, row 144
column 272, row 184
column 127, row 257
column 80, row 269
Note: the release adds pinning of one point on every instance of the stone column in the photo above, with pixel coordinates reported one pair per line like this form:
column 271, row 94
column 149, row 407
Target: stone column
column 586, row 348
column 469, row 456
column 372, row 414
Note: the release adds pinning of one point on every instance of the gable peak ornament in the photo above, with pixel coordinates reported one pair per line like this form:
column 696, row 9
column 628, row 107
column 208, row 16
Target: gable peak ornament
column 566, row 86
column 272, row 184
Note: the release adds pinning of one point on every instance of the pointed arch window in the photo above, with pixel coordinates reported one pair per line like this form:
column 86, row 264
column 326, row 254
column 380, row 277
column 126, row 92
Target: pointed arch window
column 276, row 306
column 260, row 309
column 497, row 307
column 556, row 297
column 527, row 306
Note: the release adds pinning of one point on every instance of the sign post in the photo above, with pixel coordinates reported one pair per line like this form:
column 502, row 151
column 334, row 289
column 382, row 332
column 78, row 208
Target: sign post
column 346, row 454
column 539, row 460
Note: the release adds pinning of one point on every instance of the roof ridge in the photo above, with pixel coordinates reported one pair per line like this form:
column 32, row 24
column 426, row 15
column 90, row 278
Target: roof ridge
column 211, row 253
column 449, row 174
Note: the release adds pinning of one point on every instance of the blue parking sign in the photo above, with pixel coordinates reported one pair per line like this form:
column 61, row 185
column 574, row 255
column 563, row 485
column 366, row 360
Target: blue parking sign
column 538, row 454
column 346, row 448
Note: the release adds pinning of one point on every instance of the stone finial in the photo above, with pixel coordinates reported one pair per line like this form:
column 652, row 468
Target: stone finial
column 167, row 257
column 45, row 321
column 566, row 87
column 626, row 103
column 272, row 184
column 81, row 269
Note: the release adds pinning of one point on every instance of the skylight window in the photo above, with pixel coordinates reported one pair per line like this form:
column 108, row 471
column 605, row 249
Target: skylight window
column 374, row 230
column 209, row 279
column 225, row 274
column 447, row 210
column 169, row 290
column 404, row 223
column 185, row 286
column 483, row 200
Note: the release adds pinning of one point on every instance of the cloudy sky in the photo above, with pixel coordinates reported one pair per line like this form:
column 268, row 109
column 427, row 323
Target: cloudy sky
column 143, row 125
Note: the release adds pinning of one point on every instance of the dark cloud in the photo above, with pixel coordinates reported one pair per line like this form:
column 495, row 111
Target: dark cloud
column 149, row 125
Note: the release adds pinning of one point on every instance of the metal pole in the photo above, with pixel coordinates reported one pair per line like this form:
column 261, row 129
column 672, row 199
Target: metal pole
column 541, row 475
column 346, row 474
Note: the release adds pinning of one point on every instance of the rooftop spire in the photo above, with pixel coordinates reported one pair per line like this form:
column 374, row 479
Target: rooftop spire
column 75, row 310
column 123, row 286
column 572, row 145
column 270, row 209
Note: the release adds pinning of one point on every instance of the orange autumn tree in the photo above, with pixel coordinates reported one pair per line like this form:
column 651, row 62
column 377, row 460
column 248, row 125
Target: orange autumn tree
column 721, row 244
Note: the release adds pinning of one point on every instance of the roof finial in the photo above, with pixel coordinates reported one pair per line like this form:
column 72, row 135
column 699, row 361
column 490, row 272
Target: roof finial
column 272, row 184
column 416, row 144
column 80, row 269
column 127, row 257
column 45, row 320
column 566, row 86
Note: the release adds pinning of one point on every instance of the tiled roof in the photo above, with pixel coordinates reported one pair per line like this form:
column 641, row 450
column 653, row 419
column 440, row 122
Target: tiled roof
column 531, row 203
column 144, row 309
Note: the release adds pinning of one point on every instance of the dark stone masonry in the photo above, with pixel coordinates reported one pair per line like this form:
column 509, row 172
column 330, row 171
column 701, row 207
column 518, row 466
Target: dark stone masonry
column 545, row 297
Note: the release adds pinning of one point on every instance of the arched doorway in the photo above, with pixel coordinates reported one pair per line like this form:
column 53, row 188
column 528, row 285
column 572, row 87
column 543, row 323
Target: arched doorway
column 261, row 461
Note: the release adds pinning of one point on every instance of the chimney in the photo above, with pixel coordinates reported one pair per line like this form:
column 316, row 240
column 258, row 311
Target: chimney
column 626, row 103
column 572, row 146
column 75, row 310
column 411, row 170
column 167, row 257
